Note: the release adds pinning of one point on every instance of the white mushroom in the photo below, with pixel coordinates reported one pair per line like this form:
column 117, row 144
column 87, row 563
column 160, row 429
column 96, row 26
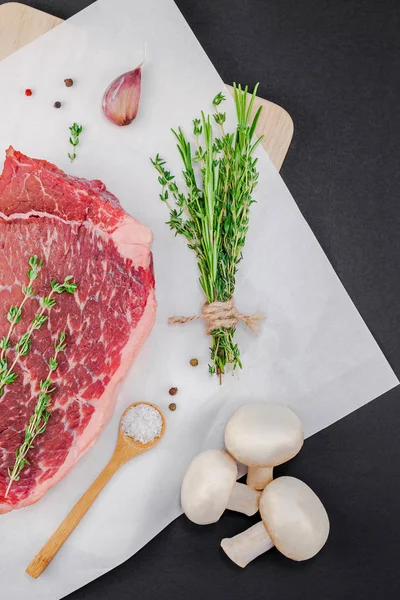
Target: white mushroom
column 293, row 519
column 263, row 436
column 209, row 487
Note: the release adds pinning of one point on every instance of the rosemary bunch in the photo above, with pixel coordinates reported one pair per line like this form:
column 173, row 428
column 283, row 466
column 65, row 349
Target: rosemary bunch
column 213, row 215
column 38, row 421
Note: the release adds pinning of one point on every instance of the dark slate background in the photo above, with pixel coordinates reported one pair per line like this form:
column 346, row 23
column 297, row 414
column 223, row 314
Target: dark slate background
column 334, row 65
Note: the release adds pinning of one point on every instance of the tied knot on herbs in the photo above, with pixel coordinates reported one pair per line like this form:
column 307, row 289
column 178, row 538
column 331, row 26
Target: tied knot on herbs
column 212, row 213
column 220, row 315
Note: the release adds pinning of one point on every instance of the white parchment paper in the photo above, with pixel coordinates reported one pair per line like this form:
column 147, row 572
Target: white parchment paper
column 314, row 353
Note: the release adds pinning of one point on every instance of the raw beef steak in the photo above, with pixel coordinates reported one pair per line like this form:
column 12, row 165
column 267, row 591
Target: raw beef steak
column 77, row 228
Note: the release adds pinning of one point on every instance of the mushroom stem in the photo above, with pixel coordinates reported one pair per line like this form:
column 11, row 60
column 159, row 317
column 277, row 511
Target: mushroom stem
column 246, row 546
column 259, row 477
column 244, row 500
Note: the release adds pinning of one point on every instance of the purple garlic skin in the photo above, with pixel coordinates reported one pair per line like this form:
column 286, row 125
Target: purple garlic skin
column 121, row 98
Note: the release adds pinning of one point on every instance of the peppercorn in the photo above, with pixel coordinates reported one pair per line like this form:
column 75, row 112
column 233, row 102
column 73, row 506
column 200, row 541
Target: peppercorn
column 57, row 104
column 28, row 92
column 194, row 362
column 173, row 391
column 172, row 406
column 68, row 82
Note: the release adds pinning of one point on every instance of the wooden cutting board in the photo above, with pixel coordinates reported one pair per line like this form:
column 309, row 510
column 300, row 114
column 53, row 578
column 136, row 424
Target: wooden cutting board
column 20, row 24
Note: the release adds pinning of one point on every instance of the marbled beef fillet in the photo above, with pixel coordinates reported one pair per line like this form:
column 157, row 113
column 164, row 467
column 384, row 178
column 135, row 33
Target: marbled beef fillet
column 77, row 228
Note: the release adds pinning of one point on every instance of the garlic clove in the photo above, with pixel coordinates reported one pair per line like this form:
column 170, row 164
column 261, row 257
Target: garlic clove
column 121, row 98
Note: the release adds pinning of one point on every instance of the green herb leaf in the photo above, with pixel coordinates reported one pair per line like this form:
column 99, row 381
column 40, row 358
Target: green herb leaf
column 35, row 262
column 75, row 131
column 14, row 314
column 4, row 343
column 47, row 302
column 9, row 378
column 38, row 321
column 70, row 287
column 53, row 364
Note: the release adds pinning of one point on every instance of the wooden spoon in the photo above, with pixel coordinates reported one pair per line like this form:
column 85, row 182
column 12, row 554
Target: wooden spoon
column 125, row 449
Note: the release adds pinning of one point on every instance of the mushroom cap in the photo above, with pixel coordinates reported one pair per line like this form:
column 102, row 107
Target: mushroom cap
column 264, row 435
column 207, row 486
column 294, row 517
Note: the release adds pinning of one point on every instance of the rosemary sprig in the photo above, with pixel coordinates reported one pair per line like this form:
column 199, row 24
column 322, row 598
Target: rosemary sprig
column 38, row 421
column 75, row 131
column 22, row 347
column 213, row 216
column 15, row 312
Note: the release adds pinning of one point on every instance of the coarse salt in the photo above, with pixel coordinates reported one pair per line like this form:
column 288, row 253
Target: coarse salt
column 142, row 423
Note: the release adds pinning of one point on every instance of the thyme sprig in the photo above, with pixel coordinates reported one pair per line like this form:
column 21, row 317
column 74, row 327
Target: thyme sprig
column 38, row 421
column 75, row 131
column 213, row 215
column 22, row 347
column 15, row 312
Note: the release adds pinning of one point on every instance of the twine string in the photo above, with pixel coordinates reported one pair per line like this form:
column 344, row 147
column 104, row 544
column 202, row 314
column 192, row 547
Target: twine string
column 219, row 315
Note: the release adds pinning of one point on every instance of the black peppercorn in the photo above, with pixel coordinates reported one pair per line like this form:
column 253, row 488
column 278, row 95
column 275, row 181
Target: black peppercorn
column 57, row 104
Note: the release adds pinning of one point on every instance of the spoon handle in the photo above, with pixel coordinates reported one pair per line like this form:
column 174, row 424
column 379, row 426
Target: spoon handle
column 62, row 533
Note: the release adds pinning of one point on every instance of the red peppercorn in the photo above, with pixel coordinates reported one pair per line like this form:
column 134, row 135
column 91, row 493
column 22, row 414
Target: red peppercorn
column 28, row 92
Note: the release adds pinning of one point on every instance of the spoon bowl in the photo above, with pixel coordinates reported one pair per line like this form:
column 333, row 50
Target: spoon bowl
column 126, row 448
column 135, row 445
